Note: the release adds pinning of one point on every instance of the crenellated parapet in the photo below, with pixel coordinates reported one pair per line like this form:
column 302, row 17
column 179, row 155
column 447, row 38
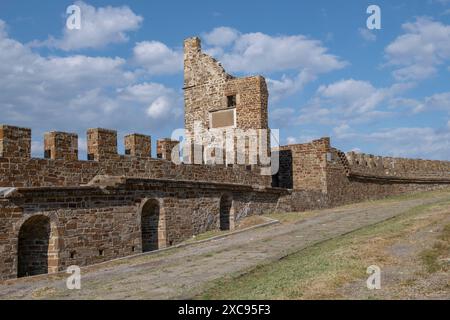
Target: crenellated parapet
column 320, row 167
column 376, row 166
column 61, row 166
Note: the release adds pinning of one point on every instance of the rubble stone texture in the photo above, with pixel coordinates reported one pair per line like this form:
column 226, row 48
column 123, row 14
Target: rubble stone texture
column 138, row 145
column 59, row 211
column 61, row 146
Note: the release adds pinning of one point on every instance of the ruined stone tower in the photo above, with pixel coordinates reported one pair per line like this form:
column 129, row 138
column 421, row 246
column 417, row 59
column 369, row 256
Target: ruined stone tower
column 216, row 100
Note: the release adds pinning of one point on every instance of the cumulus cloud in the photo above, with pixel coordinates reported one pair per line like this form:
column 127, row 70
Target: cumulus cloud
column 221, row 36
column 72, row 93
column 417, row 53
column 259, row 53
column 157, row 58
column 367, row 35
column 250, row 53
column 286, row 86
column 99, row 27
column 349, row 100
column 413, row 142
column 438, row 101
column 162, row 108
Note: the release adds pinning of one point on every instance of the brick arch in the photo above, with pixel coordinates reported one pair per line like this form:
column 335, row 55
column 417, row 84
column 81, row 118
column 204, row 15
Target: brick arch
column 37, row 246
column 226, row 212
column 153, row 225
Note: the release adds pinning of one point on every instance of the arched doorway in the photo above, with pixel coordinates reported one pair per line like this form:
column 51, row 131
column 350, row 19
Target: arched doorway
column 33, row 246
column 226, row 215
column 152, row 226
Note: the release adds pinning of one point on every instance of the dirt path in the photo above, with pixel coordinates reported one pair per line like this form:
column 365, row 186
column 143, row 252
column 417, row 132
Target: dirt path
column 183, row 273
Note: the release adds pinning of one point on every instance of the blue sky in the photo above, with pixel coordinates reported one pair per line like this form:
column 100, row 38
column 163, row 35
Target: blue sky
column 384, row 91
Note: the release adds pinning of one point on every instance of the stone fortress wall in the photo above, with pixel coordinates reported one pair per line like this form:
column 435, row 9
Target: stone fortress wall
column 317, row 167
column 62, row 167
column 60, row 211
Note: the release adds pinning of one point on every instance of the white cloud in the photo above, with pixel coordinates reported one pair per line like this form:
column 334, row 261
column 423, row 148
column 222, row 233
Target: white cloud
column 438, row 101
column 73, row 93
column 221, row 36
column 144, row 92
column 157, row 58
column 367, row 35
column 287, row 86
column 407, row 142
column 162, row 108
column 259, row 53
column 411, row 142
column 250, row 53
column 99, row 27
column 349, row 101
column 417, row 53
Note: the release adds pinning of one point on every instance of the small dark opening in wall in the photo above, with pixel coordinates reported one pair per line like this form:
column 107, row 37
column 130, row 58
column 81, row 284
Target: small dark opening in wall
column 159, row 155
column 248, row 167
column 101, row 252
column 47, row 154
column 230, row 165
column 73, row 254
column 90, row 157
column 170, row 243
column 127, row 151
column 133, row 249
column 231, row 101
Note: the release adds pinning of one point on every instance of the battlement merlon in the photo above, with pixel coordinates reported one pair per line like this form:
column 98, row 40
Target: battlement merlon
column 61, row 146
column 15, row 142
column 138, row 145
column 164, row 148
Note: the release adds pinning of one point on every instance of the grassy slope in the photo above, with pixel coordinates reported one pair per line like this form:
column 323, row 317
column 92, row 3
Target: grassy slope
column 318, row 271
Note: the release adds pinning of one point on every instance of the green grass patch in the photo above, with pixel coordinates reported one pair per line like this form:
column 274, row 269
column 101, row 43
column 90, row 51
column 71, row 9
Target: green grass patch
column 317, row 270
column 430, row 257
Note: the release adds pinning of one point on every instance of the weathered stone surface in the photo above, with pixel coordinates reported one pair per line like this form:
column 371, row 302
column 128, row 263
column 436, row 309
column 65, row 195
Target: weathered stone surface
column 61, row 211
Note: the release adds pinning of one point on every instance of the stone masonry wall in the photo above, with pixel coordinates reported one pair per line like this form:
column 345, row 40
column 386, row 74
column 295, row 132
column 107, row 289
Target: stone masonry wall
column 348, row 186
column 309, row 163
column 164, row 148
column 138, row 145
column 319, row 168
column 207, row 88
column 61, row 146
column 92, row 224
column 390, row 167
column 17, row 169
column 15, row 142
